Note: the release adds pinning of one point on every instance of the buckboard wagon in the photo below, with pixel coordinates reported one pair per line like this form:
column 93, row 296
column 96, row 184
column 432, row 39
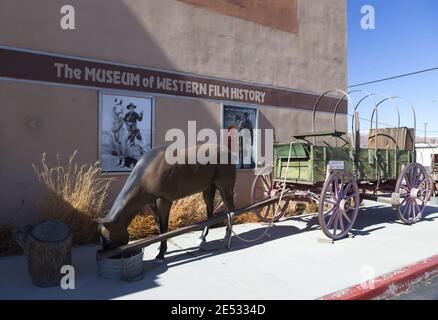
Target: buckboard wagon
column 337, row 178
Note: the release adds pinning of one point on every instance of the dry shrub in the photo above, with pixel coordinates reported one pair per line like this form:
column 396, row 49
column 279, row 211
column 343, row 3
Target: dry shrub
column 142, row 226
column 73, row 194
column 311, row 208
column 298, row 208
column 8, row 245
column 249, row 217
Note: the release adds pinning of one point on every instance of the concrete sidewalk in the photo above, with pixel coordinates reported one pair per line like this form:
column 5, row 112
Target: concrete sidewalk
column 290, row 264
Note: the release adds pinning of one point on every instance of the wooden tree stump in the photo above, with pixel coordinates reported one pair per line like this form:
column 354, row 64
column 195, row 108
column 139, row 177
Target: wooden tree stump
column 47, row 247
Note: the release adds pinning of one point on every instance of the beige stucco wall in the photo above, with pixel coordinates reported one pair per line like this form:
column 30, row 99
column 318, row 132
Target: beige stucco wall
column 39, row 118
column 173, row 35
column 164, row 34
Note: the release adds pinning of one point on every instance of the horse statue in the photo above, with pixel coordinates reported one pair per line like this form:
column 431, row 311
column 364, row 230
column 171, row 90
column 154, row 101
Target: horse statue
column 157, row 184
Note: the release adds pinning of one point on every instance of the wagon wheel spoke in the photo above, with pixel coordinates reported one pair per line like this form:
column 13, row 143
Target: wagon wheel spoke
column 420, row 181
column 347, row 188
column 333, row 195
column 276, row 210
column 330, row 211
column 417, row 208
column 346, row 216
column 335, row 226
column 341, row 221
column 268, row 210
column 332, row 217
column 266, row 183
column 413, row 212
column 407, row 209
column 408, row 180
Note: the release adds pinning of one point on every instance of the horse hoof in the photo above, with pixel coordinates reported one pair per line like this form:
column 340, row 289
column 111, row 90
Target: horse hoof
column 159, row 260
column 202, row 244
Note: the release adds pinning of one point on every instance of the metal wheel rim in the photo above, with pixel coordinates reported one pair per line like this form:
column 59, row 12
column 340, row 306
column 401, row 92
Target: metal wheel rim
column 411, row 209
column 266, row 180
column 338, row 205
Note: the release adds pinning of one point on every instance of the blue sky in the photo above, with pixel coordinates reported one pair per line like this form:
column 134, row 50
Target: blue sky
column 405, row 40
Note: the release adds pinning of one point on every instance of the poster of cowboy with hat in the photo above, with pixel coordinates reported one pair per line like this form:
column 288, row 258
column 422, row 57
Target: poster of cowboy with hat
column 125, row 131
column 131, row 119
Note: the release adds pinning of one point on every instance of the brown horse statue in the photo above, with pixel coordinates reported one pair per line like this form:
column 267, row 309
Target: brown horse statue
column 156, row 183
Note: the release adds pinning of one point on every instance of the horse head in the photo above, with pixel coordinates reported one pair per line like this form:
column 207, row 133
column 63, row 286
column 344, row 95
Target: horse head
column 113, row 228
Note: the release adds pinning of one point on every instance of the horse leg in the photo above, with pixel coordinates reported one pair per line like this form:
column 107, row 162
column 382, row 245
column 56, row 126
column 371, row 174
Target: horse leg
column 163, row 209
column 227, row 194
column 208, row 196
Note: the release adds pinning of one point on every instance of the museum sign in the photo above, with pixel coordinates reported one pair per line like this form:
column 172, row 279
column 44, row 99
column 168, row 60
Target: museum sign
column 43, row 67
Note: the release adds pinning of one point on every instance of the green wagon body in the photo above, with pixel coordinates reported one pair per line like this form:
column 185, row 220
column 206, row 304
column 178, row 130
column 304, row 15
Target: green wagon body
column 308, row 163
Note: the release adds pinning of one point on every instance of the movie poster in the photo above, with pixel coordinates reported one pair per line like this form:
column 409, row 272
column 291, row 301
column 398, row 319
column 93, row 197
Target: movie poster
column 125, row 131
column 240, row 124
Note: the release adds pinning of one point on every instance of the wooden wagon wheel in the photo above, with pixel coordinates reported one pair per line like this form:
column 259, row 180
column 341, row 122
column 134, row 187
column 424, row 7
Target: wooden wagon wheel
column 339, row 204
column 414, row 187
column 263, row 188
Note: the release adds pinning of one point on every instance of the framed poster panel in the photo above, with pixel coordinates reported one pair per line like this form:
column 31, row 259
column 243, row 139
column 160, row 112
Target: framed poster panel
column 240, row 124
column 125, row 131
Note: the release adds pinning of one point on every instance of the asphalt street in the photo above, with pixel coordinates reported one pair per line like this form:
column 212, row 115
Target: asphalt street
column 426, row 290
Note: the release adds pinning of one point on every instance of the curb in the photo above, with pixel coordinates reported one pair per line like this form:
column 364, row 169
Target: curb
column 390, row 284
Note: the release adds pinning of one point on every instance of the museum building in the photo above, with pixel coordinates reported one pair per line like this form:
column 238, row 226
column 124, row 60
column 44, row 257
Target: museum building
column 132, row 70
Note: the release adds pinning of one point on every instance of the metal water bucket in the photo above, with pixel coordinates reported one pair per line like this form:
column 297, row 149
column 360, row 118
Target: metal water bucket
column 128, row 267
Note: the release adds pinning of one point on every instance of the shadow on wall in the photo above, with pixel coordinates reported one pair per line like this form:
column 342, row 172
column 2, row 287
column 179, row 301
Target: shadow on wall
column 56, row 120
column 39, row 118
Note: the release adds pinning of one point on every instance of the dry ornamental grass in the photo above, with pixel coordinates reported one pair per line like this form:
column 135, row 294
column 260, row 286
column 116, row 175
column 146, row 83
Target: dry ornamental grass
column 73, row 194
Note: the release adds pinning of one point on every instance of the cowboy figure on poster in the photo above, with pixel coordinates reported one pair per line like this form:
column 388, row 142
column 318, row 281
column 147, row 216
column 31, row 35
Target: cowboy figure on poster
column 131, row 119
column 246, row 141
